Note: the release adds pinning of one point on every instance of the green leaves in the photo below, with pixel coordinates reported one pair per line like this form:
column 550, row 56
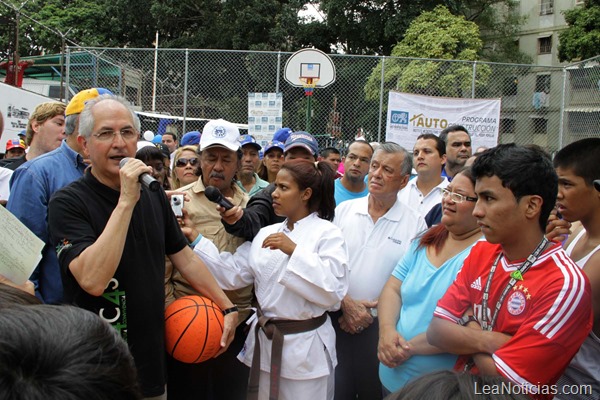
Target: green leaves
column 581, row 40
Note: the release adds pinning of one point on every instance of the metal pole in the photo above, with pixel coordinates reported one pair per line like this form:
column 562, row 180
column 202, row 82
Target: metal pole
column 278, row 71
column 185, row 87
column 474, row 79
column 68, row 73
column 308, row 112
column 381, row 98
column 16, row 57
column 16, row 53
column 62, row 64
column 562, row 111
column 154, row 77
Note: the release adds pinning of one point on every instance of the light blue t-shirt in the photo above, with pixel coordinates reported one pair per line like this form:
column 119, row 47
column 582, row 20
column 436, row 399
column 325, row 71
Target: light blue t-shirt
column 342, row 194
column 422, row 286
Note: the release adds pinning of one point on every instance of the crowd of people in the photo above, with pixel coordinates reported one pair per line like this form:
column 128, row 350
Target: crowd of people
column 373, row 282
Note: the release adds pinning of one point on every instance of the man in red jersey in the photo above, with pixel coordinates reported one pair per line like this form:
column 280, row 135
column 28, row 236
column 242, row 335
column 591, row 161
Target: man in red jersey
column 519, row 307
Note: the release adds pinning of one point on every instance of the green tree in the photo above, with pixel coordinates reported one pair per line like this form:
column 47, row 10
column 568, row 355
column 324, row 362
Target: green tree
column 581, row 40
column 376, row 26
column 434, row 34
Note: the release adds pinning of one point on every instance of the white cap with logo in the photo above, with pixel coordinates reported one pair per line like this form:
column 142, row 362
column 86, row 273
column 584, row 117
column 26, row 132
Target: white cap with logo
column 219, row 132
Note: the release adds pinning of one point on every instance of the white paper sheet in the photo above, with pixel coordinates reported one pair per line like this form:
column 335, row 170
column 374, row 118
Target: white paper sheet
column 20, row 249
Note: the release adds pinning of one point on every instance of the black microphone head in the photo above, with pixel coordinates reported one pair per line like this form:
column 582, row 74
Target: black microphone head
column 212, row 193
column 123, row 162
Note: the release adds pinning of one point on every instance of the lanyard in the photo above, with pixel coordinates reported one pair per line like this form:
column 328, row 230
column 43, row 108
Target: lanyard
column 516, row 275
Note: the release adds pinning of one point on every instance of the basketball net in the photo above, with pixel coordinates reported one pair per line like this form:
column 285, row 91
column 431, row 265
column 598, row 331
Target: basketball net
column 309, row 85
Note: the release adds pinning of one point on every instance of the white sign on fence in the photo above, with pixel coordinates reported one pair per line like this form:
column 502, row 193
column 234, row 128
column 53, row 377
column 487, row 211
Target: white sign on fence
column 265, row 112
column 410, row 115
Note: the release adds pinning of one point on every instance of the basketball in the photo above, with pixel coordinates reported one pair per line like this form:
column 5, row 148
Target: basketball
column 193, row 329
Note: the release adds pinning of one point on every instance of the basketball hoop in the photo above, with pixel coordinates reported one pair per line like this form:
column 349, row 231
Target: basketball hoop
column 309, row 85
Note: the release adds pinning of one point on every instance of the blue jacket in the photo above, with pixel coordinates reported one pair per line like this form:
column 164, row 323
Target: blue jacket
column 32, row 185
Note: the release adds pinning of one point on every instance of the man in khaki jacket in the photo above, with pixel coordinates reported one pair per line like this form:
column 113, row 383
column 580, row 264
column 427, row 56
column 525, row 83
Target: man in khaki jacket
column 224, row 377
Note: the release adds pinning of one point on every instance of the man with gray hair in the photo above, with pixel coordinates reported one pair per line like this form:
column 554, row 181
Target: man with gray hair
column 34, row 182
column 111, row 236
column 378, row 229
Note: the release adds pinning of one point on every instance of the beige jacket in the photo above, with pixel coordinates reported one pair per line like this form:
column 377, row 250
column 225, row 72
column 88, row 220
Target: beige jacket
column 207, row 221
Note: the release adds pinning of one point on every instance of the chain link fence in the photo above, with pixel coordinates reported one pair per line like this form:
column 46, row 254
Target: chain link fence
column 546, row 106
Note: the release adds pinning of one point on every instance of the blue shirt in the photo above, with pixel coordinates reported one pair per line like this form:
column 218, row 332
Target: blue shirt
column 422, row 286
column 32, row 185
column 258, row 185
column 342, row 194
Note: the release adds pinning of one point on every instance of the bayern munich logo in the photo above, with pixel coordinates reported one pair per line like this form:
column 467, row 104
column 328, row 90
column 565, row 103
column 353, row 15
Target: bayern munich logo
column 516, row 303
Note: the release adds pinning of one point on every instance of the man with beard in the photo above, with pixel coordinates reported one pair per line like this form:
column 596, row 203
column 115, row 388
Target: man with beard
column 223, row 377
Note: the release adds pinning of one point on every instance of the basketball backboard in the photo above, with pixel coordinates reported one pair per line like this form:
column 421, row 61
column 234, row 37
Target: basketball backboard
column 309, row 63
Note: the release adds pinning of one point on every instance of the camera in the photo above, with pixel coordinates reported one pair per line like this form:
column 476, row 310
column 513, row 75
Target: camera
column 177, row 204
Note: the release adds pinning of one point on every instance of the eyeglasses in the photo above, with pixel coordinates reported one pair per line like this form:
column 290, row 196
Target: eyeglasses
column 108, row 135
column 182, row 162
column 457, row 197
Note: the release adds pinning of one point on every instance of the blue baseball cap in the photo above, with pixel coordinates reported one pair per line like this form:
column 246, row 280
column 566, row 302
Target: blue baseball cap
column 249, row 139
column 190, row 138
column 272, row 145
column 282, row 134
column 304, row 140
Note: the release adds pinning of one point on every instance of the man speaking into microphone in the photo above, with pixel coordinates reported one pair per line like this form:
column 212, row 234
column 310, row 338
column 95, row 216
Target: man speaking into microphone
column 112, row 234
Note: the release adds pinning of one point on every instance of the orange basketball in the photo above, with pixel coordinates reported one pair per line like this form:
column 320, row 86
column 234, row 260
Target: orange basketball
column 193, row 329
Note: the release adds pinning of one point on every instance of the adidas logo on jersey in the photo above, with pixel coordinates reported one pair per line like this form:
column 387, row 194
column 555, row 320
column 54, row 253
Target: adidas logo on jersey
column 476, row 284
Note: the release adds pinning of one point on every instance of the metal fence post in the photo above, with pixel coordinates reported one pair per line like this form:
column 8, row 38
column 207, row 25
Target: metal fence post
column 474, row 79
column 562, row 109
column 68, row 75
column 381, row 97
column 278, row 71
column 185, row 88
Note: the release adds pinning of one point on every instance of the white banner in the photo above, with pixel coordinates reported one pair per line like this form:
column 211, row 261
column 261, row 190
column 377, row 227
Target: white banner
column 265, row 112
column 410, row 115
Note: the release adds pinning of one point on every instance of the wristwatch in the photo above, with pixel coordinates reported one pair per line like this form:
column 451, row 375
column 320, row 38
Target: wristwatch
column 230, row 310
column 466, row 319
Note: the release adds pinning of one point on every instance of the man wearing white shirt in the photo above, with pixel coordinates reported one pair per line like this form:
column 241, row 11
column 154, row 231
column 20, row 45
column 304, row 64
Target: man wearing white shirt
column 5, row 173
column 425, row 191
column 378, row 230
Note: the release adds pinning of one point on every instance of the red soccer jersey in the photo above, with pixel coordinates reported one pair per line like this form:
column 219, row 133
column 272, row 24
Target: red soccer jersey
column 548, row 313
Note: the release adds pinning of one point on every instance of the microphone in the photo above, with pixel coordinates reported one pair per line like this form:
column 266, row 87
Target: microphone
column 145, row 179
column 213, row 194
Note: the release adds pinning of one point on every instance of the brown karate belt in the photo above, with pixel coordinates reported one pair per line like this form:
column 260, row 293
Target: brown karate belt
column 275, row 330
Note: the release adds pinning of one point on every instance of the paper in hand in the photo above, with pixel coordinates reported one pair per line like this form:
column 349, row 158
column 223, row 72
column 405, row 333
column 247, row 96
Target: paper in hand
column 20, row 249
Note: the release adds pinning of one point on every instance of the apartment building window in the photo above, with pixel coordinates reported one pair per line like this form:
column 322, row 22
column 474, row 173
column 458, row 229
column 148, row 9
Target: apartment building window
column 507, row 125
column 539, row 125
column 509, row 86
column 546, row 7
column 542, row 83
column 545, row 45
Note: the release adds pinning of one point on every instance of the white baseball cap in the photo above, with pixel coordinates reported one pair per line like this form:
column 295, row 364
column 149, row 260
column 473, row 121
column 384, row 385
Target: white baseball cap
column 219, row 132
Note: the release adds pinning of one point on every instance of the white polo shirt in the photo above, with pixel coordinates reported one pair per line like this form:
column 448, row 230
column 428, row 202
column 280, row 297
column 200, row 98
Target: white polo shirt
column 412, row 196
column 375, row 248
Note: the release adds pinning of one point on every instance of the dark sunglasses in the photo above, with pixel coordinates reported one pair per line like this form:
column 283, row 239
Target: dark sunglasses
column 182, row 162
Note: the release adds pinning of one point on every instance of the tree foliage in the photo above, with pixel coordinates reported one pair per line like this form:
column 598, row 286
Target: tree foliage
column 581, row 40
column 434, row 34
column 376, row 26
